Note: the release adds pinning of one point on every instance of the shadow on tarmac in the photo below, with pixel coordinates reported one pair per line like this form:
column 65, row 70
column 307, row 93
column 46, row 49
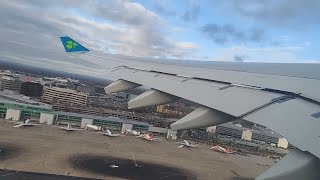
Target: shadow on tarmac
column 129, row 168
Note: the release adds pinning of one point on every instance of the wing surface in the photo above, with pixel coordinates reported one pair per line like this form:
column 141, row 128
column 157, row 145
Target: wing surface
column 282, row 97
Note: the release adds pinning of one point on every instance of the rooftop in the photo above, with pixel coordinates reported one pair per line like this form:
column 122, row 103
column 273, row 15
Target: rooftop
column 65, row 90
column 102, row 118
column 21, row 100
column 262, row 131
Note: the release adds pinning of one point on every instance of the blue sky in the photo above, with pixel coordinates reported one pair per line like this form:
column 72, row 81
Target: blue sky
column 278, row 31
column 300, row 32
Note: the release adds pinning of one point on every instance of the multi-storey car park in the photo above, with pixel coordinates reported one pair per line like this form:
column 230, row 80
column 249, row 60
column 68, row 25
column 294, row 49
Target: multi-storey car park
column 63, row 95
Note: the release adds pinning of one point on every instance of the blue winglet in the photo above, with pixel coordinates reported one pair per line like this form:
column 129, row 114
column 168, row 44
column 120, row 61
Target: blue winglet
column 71, row 45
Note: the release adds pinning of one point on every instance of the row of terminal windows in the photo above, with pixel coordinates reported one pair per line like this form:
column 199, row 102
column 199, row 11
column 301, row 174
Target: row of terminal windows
column 124, row 116
column 63, row 119
column 37, row 109
column 23, row 107
column 139, row 127
column 26, row 111
column 30, row 115
column 114, row 125
column 3, row 112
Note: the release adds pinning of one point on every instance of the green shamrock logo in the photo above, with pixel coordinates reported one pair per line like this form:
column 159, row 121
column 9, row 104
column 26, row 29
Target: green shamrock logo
column 71, row 44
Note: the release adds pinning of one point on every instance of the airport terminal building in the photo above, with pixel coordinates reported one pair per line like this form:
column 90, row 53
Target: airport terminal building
column 14, row 107
column 80, row 120
column 257, row 135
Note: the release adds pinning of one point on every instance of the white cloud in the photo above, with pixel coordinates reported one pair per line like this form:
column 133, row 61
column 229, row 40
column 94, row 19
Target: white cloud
column 119, row 26
column 30, row 30
column 293, row 14
column 286, row 54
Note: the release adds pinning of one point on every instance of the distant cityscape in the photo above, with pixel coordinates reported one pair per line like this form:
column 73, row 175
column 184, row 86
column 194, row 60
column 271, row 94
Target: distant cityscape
column 70, row 95
column 74, row 98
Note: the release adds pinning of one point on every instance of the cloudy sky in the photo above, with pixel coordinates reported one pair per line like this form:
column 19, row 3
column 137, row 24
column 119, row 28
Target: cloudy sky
column 217, row 30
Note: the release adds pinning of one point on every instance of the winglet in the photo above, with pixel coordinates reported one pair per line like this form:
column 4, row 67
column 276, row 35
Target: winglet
column 71, row 45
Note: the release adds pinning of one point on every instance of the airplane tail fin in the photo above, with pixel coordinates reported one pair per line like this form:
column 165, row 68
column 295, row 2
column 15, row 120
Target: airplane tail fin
column 109, row 132
column 27, row 121
column 71, row 45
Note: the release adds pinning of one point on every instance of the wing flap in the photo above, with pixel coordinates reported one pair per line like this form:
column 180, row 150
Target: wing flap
column 306, row 86
column 232, row 100
column 292, row 119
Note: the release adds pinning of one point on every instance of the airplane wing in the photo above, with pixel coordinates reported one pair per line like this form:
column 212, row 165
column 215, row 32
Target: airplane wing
column 70, row 129
column 193, row 145
column 157, row 139
column 76, row 129
column 282, row 97
column 22, row 125
column 66, row 129
column 186, row 142
column 112, row 135
column 19, row 125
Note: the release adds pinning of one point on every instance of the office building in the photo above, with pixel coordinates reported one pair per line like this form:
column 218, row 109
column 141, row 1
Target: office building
column 77, row 109
column 160, row 108
column 31, row 89
column 10, row 82
column 86, row 89
column 64, row 96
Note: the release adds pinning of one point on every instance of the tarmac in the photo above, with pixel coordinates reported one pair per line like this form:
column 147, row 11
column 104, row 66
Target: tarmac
column 46, row 152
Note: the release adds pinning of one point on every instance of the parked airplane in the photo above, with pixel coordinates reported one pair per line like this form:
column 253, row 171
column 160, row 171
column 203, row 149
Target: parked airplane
column 92, row 127
column 147, row 137
column 108, row 133
column 185, row 143
column 223, row 150
column 26, row 123
column 114, row 166
column 132, row 132
column 69, row 128
column 275, row 95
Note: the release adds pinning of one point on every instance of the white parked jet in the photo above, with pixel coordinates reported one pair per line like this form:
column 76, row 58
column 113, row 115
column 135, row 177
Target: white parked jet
column 69, row 128
column 25, row 124
column 93, row 127
column 185, row 143
column 223, row 150
column 147, row 137
column 108, row 133
column 132, row 132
